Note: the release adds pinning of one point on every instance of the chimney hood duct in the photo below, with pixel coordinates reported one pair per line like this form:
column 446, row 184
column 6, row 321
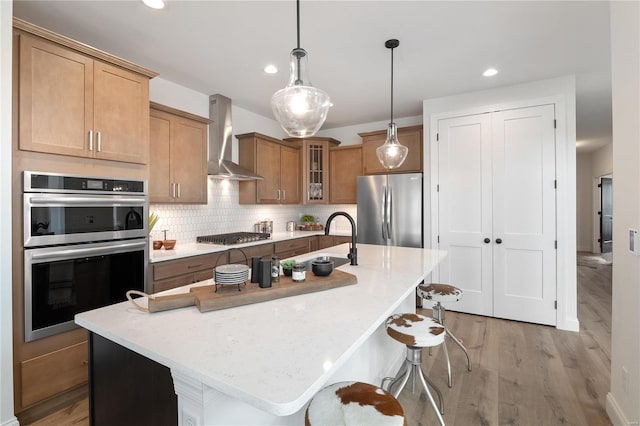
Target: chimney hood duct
column 220, row 165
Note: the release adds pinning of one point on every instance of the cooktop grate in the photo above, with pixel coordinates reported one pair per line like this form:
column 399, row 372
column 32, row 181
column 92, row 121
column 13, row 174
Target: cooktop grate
column 232, row 238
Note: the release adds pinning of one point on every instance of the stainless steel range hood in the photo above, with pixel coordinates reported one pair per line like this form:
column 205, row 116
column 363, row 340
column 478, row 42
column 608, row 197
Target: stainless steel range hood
column 220, row 165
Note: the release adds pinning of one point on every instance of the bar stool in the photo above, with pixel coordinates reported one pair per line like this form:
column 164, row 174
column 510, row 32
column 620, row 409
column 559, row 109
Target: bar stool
column 354, row 403
column 416, row 332
column 444, row 293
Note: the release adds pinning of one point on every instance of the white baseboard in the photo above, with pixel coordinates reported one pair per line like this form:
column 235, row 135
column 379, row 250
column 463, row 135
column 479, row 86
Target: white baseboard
column 569, row 324
column 11, row 422
column 615, row 414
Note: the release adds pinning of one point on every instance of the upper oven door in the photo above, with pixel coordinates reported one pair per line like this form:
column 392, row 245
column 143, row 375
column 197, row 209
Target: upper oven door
column 72, row 218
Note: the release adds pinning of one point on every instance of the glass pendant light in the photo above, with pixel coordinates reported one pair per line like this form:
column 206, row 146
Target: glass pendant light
column 392, row 154
column 300, row 108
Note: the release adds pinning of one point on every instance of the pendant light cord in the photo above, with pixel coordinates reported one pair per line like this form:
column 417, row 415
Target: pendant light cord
column 298, row 20
column 298, row 81
column 391, row 85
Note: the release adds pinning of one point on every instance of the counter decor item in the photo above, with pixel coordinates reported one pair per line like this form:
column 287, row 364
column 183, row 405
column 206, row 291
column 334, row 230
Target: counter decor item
column 308, row 223
column 287, row 267
column 264, row 273
column 169, row 244
column 153, row 219
column 157, row 244
column 231, row 274
column 299, row 273
column 321, row 267
column 275, row 269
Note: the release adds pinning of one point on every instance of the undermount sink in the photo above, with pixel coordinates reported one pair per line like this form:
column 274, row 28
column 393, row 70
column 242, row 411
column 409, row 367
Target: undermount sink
column 337, row 261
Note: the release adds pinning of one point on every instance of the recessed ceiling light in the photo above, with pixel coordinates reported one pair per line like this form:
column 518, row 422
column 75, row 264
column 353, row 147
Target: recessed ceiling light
column 154, row 4
column 270, row 69
column 490, row 72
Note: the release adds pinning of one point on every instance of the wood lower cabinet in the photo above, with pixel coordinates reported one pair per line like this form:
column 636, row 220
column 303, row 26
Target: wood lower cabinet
column 47, row 375
column 279, row 165
column 261, row 250
column 176, row 273
column 345, row 165
column 71, row 103
column 325, row 241
column 292, row 248
column 411, row 137
column 178, row 159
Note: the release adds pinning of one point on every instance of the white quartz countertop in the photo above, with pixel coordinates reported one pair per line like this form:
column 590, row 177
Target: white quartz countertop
column 194, row 249
column 273, row 355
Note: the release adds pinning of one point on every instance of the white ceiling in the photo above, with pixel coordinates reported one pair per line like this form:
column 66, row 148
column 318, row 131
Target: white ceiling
column 223, row 46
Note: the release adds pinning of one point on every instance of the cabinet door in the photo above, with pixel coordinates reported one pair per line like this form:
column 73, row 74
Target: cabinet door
column 189, row 160
column 345, row 165
column 159, row 166
column 268, row 166
column 56, row 98
column 411, row 137
column 290, row 175
column 121, row 114
column 316, row 171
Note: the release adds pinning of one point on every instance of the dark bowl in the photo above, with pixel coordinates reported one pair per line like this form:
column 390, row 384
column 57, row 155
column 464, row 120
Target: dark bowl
column 322, row 268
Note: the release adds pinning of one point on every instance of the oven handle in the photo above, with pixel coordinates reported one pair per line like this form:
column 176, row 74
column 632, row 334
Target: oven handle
column 86, row 201
column 93, row 251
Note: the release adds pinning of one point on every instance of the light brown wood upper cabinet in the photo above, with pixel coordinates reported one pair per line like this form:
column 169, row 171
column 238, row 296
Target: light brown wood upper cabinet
column 73, row 104
column 315, row 168
column 178, row 156
column 410, row 137
column 345, row 165
column 277, row 162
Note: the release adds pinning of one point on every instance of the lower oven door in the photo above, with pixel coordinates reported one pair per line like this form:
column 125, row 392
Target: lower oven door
column 65, row 280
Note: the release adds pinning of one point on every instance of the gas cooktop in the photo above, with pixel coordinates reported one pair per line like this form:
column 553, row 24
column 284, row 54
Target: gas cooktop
column 232, row 238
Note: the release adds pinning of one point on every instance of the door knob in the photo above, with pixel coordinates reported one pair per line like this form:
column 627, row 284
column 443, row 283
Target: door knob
column 487, row 240
column 498, row 240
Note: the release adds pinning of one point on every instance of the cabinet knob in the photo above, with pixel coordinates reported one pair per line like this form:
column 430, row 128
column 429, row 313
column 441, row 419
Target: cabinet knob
column 487, row 240
column 498, row 240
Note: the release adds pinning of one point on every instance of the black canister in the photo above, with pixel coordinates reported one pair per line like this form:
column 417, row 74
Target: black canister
column 255, row 268
column 264, row 273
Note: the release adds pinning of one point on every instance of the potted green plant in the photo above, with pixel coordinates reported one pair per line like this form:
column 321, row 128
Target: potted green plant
column 287, row 267
column 307, row 220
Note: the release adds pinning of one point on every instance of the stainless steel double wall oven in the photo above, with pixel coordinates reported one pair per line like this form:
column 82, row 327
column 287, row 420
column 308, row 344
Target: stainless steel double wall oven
column 85, row 245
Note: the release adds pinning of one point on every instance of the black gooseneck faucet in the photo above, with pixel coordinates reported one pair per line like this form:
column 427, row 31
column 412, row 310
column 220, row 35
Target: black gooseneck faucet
column 353, row 251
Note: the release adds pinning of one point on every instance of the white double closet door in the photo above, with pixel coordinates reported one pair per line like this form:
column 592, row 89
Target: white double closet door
column 497, row 212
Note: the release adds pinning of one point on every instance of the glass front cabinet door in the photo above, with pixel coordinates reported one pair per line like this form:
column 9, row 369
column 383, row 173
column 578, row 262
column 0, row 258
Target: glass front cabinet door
column 315, row 168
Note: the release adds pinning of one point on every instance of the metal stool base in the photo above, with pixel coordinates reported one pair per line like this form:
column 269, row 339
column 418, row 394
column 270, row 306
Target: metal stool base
column 411, row 368
column 438, row 314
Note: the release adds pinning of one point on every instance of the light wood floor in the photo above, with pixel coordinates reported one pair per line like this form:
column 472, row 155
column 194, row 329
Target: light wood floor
column 523, row 374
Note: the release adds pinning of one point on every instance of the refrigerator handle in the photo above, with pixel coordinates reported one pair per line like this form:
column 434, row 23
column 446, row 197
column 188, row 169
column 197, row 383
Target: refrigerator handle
column 389, row 211
column 384, row 212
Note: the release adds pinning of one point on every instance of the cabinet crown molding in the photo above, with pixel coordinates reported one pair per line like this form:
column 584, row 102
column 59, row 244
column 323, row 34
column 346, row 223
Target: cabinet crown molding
column 180, row 113
column 30, row 28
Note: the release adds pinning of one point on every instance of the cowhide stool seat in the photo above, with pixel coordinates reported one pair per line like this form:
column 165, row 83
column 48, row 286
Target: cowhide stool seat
column 444, row 293
column 416, row 332
column 355, row 404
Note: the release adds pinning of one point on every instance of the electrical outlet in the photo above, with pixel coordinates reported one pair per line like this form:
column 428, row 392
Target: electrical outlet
column 625, row 380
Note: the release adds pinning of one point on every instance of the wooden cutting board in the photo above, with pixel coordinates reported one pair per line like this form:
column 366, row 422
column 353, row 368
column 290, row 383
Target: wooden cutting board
column 229, row 296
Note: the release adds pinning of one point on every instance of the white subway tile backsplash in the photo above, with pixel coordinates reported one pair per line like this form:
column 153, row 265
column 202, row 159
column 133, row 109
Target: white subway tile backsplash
column 184, row 222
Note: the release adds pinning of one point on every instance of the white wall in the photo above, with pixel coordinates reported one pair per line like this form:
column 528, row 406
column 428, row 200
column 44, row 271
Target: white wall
column 584, row 202
column 602, row 161
column 348, row 135
column 6, row 346
column 623, row 401
column 560, row 91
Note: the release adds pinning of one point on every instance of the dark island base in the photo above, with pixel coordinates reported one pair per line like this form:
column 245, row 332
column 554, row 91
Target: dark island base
column 126, row 388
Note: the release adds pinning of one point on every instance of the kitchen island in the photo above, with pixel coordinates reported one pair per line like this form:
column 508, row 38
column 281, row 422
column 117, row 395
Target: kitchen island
column 262, row 363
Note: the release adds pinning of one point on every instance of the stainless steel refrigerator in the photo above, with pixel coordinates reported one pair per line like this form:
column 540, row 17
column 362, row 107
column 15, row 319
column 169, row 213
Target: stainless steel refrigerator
column 390, row 210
